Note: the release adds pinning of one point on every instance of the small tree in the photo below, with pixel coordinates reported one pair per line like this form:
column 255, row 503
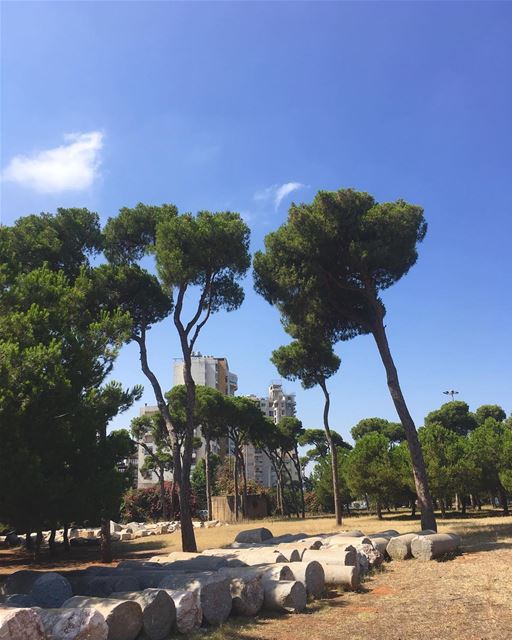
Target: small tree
column 313, row 363
column 211, row 414
column 265, row 435
column 291, row 430
column 201, row 257
column 321, row 478
column 489, row 448
column 455, row 416
column 317, row 439
column 201, row 486
column 489, row 411
column 327, row 267
column 394, row 431
column 158, row 458
column 370, row 470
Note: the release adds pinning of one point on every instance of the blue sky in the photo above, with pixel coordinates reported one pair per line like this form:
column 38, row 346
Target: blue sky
column 217, row 105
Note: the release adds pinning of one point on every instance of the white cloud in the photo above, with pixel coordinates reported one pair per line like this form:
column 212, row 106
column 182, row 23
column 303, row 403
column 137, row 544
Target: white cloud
column 277, row 192
column 70, row 167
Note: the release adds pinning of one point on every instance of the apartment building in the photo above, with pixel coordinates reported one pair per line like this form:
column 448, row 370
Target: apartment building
column 208, row 371
column 276, row 405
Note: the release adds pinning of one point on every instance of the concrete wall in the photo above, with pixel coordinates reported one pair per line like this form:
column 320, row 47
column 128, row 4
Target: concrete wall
column 223, row 507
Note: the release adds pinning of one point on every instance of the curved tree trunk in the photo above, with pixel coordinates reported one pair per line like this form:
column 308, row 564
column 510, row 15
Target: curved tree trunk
column 334, row 454
column 428, row 520
column 188, row 540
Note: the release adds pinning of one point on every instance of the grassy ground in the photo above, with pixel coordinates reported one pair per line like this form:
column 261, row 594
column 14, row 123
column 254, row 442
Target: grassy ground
column 466, row 598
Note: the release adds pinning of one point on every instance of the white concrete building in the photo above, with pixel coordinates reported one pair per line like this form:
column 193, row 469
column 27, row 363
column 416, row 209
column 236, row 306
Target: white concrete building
column 207, row 371
column 276, row 405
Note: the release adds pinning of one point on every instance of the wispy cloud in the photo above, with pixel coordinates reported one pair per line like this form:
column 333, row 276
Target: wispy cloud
column 277, row 192
column 70, row 167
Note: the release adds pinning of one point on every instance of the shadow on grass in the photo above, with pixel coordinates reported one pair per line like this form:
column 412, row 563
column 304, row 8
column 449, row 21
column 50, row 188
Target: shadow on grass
column 247, row 628
column 450, row 515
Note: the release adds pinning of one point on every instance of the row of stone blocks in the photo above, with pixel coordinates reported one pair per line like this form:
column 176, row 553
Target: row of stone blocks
column 182, row 591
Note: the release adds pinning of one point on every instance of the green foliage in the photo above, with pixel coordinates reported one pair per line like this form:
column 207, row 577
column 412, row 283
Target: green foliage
column 198, row 479
column 394, row 431
column 455, row 416
column 158, row 458
column 371, row 469
column 450, row 467
column 64, row 241
column 310, row 365
column 317, row 439
column 321, row 477
column 210, row 250
column 326, row 265
column 132, row 233
column 134, row 291
column 490, row 448
column 489, row 411
column 56, row 350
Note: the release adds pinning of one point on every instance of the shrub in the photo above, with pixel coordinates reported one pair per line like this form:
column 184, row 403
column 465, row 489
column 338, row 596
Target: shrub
column 144, row 505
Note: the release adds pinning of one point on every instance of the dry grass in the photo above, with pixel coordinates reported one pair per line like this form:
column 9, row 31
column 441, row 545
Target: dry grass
column 466, row 598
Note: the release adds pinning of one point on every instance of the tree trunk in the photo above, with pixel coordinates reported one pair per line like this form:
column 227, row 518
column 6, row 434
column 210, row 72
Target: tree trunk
column 413, row 507
column 161, row 481
column 428, row 520
column 235, row 482
column 285, row 467
column 105, row 540
column 334, row 455
column 244, row 484
column 298, row 468
column 51, row 540
column 284, row 508
column 208, row 472
column 180, row 475
column 442, row 504
column 28, row 540
column 463, row 505
column 502, row 494
column 65, row 537
column 379, row 510
column 37, row 547
column 188, row 539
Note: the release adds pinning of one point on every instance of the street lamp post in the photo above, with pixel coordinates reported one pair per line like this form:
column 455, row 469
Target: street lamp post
column 451, row 393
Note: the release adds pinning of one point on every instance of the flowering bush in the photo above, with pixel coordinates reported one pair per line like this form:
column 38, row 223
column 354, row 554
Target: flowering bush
column 145, row 505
